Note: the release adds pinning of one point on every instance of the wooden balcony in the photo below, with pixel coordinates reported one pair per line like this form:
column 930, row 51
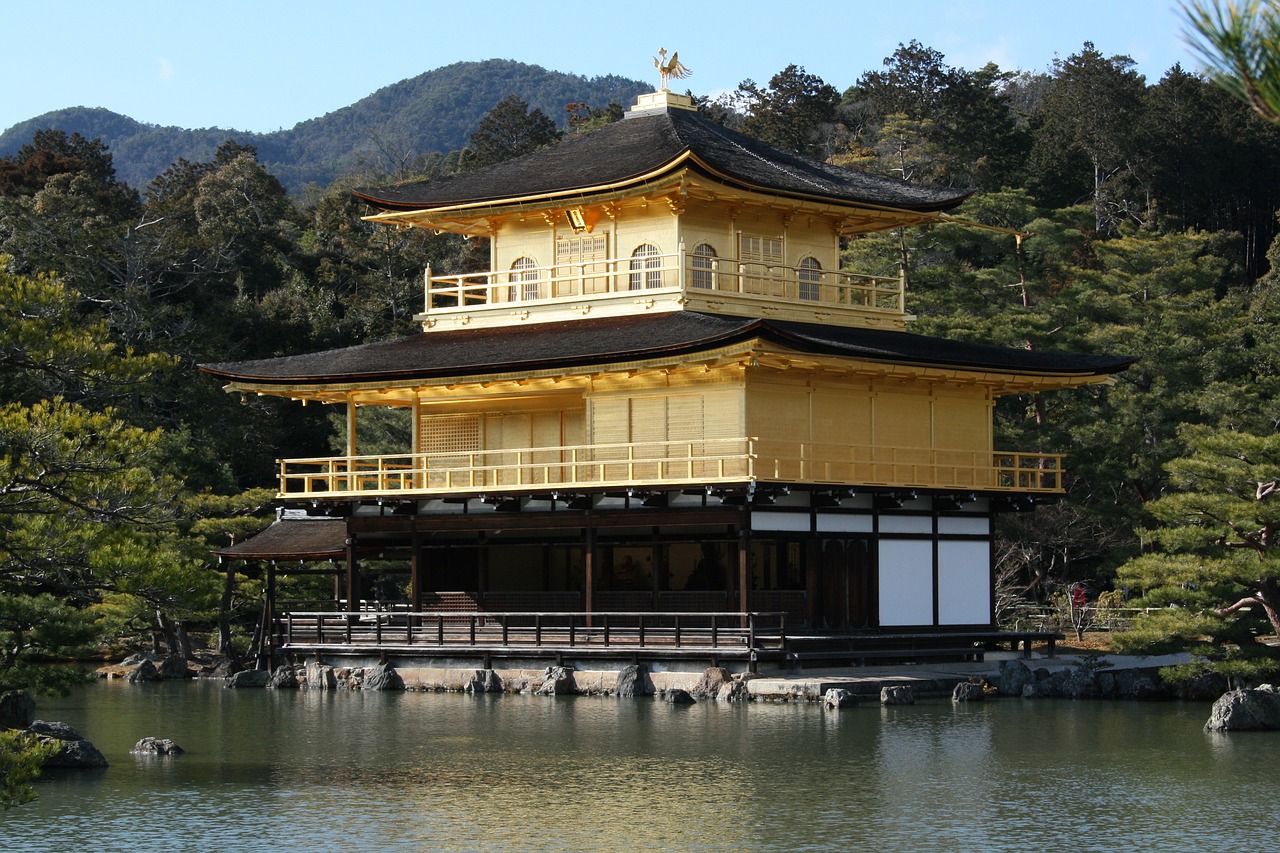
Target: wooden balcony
column 665, row 464
column 604, row 634
column 664, row 282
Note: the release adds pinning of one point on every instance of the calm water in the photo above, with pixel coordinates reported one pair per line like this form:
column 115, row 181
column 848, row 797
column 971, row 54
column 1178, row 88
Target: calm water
column 303, row 770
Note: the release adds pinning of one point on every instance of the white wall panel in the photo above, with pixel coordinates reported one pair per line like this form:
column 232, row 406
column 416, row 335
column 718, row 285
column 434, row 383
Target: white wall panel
column 964, row 525
column 794, row 521
column 906, row 582
column 906, row 524
column 964, row 583
column 829, row 522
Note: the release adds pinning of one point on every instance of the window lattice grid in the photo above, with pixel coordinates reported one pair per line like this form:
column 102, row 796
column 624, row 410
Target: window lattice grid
column 810, row 279
column 646, row 257
column 524, row 275
column 454, row 434
column 703, row 265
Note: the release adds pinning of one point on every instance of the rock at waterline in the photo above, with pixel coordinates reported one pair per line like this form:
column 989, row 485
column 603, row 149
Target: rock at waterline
column 557, row 681
column 249, row 678
column 284, row 678
column 156, row 746
column 73, row 749
column 145, row 671
column 220, row 667
column 734, row 691
column 676, row 696
column 713, row 678
column 901, row 695
column 1015, row 677
column 382, row 676
column 837, row 697
column 173, row 667
column 320, row 676
column 483, row 681
column 968, row 691
column 633, row 680
column 1246, row 710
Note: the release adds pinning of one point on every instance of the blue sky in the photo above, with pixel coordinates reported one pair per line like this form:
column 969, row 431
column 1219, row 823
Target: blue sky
column 270, row 64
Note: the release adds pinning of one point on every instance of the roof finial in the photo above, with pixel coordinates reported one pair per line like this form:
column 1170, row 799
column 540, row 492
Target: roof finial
column 669, row 70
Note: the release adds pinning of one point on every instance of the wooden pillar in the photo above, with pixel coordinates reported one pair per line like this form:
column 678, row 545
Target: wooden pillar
column 813, row 582
column 353, row 576
column 417, row 572
column 661, row 571
column 224, row 609
column 482, row 569
column 269, row 635
column 588, row 570
column 744, row 571
column 351, row 426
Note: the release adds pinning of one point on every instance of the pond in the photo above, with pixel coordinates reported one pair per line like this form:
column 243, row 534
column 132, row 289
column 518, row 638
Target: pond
column 311, row 770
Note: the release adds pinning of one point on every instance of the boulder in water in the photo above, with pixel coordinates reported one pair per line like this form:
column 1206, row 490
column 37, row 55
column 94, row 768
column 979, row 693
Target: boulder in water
column 1246, row 710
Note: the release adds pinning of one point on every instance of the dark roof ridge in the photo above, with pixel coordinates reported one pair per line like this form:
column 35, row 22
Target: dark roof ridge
column 647, row 145
column 615, row 340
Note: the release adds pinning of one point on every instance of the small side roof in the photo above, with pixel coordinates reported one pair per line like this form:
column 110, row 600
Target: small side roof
column 313, row 538
column 645, row 146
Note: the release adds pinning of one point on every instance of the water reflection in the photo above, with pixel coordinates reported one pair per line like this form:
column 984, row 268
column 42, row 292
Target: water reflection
column 330, row 771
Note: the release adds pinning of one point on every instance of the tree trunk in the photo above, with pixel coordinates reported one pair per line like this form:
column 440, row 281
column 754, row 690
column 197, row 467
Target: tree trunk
column 224, row 615
column 167, row 629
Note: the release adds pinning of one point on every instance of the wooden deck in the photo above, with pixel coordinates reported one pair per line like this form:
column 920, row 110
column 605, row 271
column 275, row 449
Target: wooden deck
column 745, row 637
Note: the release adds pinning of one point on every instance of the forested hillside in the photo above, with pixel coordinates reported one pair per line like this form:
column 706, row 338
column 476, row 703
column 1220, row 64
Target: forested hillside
column 388, row 130
column 1125, row 215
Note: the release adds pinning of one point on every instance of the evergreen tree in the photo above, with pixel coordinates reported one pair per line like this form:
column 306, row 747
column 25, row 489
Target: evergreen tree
column 507, row 131
column 795, row 112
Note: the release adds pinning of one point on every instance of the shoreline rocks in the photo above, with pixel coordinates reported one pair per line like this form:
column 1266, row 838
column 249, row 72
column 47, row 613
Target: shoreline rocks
column 1252, row 709
column 1094, row 679
column 74, row 751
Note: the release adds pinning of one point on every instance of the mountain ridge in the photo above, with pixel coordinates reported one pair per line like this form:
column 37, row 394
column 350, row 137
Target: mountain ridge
column 436, row 111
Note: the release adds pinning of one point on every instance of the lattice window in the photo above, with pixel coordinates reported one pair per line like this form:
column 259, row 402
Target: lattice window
column 579, row 250
column 454, row 434
column 524, row 271
column 582, row 262
column 810, row 278
column 764, row 250
column 646, row 257
column 759, row 256
column 704, row 265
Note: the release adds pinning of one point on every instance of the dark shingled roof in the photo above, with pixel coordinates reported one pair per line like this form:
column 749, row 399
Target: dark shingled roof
column 293, row 539
column 641, row 145
column 606, row 340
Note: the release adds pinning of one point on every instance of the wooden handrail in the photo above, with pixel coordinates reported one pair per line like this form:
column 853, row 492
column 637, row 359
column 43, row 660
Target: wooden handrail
column 657, row 463
column 724, row 629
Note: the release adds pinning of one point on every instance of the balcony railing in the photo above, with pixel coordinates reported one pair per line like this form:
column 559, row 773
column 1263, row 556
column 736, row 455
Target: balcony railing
column 678, row 273
column 598, row 631
column 665, row 463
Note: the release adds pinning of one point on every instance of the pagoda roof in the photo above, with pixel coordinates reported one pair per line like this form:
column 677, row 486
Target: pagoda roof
column 645, row 146
column 609, row 340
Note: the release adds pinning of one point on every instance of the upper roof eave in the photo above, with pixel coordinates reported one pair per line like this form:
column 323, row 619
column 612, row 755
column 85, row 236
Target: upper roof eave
column 476, row 352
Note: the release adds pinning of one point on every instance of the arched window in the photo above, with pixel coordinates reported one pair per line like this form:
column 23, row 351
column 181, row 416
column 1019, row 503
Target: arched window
column 704, row 264
column 524, row 278
column 645, row 257
column 810, row 277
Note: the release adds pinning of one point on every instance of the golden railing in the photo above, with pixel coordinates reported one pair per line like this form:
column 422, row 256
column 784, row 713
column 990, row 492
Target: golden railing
column 676, row 272
column 666, row 463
